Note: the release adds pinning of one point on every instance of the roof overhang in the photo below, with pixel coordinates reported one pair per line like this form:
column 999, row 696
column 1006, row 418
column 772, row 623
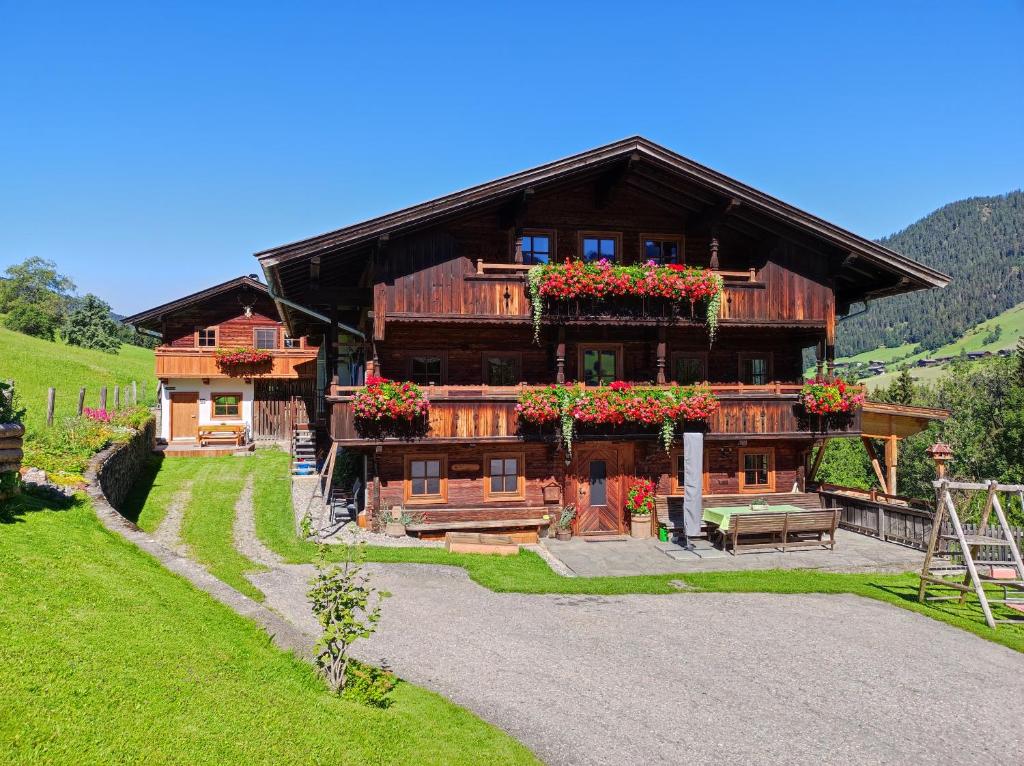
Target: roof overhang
column 150, row 319
column 902, row 274
column 881, row 420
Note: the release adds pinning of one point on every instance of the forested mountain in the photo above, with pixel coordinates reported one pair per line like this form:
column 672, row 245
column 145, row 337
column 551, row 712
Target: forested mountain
column 979, row 242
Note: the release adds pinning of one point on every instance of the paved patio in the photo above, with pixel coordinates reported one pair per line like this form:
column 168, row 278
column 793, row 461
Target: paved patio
column 853, row 553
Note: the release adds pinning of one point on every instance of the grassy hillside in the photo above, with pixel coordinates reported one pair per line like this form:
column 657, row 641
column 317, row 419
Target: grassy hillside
column 108, row 658
column 34, row 365
column 979, row 242
column 978, row 338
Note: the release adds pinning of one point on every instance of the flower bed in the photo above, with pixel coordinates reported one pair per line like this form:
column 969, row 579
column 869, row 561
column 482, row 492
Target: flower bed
column 602, row 280
column 830, row 397
column 389, row 407
column 640, row 497
column 615, row 405
column 240, row 356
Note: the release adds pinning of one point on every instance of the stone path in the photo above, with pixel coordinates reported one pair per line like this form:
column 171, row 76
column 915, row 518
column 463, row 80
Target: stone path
column 169, row 531
column 244, row 530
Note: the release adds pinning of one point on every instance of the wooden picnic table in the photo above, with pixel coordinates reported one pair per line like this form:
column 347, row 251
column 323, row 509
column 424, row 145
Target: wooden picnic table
column 720, row 516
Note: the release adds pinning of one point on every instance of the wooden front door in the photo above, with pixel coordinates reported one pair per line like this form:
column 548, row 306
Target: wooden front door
column 598, row 483
column 184, row 415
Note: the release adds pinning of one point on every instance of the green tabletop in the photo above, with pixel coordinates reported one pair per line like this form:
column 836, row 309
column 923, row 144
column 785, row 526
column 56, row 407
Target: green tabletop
column 721, row 516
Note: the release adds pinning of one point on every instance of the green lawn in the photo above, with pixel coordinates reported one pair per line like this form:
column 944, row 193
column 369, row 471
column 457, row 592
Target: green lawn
column 34, row 365
column 107, row 657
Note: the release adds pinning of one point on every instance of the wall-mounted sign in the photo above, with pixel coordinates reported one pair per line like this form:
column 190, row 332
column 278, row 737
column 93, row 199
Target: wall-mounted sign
column 465, row 466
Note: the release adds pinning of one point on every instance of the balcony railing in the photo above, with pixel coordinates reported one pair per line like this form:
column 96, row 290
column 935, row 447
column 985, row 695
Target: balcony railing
column 202, row 363
column 488, row 413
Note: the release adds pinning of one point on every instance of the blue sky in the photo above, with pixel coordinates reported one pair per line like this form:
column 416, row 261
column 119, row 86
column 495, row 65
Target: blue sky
column 151, row 150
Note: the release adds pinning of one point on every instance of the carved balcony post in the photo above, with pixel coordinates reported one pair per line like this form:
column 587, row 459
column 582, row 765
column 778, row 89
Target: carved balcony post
column 661, row 356
column 560, row 357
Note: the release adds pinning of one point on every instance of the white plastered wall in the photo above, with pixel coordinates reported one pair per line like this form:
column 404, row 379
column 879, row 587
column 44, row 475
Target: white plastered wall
column 206, row 391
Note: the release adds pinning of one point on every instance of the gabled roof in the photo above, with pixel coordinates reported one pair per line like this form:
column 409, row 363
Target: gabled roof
column 913, row 275
column 153, row 316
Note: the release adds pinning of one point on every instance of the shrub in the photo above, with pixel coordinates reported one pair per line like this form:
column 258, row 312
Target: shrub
column 32, row 319
column 10, row 409
column 640, row 497
column 348, row 609
column 368, row 685
column 90, row 325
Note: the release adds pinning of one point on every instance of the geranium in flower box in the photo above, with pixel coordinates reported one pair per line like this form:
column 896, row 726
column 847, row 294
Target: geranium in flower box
column 602, row 280
column 640, row 506
column 384, row 407
column 830, row 397
column 237, row 357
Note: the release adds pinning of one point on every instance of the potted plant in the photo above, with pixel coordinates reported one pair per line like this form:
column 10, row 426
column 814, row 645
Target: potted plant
column 395, row 524
column 640, row 506
column 563, row 531
column 759, row 504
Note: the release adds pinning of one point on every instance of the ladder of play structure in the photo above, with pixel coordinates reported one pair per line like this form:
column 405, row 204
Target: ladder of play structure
column 992, row 581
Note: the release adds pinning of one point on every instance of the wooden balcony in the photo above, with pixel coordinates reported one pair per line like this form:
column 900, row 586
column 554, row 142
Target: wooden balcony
column 202, row 363
column 488, row 414
column 497, row 293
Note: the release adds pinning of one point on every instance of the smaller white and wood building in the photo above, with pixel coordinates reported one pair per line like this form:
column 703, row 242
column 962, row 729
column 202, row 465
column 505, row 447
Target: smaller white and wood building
column 199, row 388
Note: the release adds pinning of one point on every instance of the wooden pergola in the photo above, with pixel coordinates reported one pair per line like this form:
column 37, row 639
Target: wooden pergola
column 888, row 423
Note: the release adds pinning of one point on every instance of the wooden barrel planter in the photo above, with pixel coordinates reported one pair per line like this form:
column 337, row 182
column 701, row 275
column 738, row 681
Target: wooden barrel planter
column 11, row 435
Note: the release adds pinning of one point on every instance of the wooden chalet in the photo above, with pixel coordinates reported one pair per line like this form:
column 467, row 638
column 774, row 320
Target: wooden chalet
column 200, row 392
column 437, row 294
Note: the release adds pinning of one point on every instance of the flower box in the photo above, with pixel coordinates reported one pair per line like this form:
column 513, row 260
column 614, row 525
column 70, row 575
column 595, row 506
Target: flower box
column 634, row 289
column 386, row 407
column 239, row 357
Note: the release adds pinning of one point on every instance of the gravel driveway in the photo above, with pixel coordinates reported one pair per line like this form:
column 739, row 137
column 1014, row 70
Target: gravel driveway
column 701, row 678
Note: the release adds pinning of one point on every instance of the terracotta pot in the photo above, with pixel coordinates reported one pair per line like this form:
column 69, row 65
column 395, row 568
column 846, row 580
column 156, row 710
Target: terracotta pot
column 563, row 534
column 640, row 525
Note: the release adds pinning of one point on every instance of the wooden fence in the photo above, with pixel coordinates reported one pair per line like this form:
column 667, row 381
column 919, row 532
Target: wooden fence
column 114, row 397
column 903, row 520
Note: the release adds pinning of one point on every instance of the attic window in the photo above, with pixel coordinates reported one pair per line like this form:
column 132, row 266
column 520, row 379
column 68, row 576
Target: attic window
column 265, row 337
column 206, row 337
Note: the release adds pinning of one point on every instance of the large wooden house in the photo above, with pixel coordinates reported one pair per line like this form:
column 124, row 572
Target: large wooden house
column 202, row 386
column 439, row 295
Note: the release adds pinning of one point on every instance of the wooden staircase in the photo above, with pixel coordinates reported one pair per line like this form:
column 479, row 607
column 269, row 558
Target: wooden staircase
column 303, row 452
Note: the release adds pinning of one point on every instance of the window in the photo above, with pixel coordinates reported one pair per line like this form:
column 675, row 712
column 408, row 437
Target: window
column 600, row 365
column 426, row 479
column 537, row 246
column 688, row 369
column 661, row 250
column 757, row 470
column 504, row 479
column 227, row 405
column 596, row 245
column 755, row 369
column 501, row 369
column 598, row 483
column 206, row 337
column 265, row 337
column 427, row 368
column 290, row 342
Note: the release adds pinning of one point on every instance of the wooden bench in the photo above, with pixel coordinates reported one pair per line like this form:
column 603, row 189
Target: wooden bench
column 222, row 434
column 784, row 530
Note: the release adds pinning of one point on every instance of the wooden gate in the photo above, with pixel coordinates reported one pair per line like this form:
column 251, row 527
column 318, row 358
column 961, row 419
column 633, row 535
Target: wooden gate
column 279, row 404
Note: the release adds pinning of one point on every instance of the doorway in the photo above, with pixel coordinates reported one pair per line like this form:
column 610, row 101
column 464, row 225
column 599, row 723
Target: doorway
column 597, row 479
column 185, row 415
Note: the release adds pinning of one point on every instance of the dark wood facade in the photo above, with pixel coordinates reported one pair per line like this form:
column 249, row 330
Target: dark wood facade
column 446, row 282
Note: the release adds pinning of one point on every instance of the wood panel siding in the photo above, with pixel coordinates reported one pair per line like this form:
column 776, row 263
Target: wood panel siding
column 202, row 363
column 433, row 273
column 488, row 414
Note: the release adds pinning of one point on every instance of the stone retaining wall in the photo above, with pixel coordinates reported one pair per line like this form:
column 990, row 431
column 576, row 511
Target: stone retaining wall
column 114, row 470
column 11, row 435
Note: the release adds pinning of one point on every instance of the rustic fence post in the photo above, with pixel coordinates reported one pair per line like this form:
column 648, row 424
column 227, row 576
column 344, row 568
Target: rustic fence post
column 51, row 396
column 135, row 393
column 117, row 397
column 81, row 400
column 103, row 398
